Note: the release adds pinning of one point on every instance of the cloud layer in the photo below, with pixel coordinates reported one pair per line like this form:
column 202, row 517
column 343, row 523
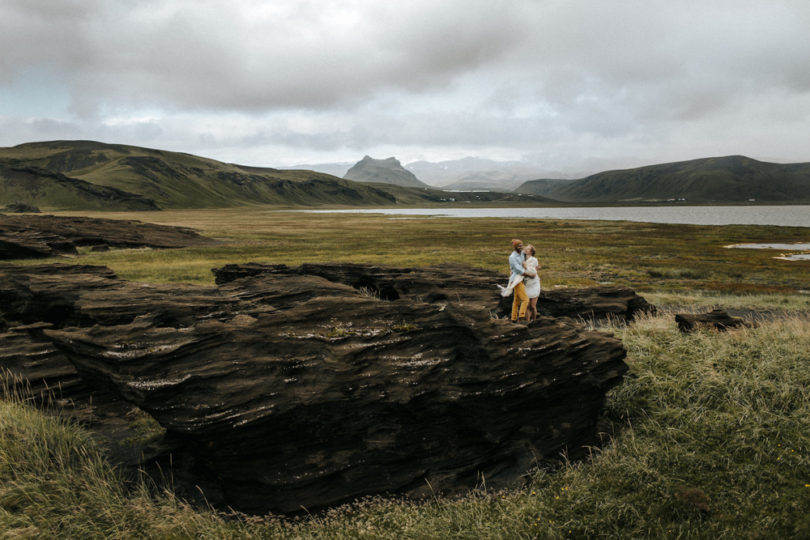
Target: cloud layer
column 570, row 84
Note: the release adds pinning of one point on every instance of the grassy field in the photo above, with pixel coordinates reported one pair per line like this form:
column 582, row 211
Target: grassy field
column 709, row 433
column 648, row 257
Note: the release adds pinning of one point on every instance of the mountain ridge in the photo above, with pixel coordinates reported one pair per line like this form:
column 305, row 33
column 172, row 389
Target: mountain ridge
column 724, row 179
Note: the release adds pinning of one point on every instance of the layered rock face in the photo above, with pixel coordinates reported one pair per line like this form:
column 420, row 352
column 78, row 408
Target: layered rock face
column 307, row 387
column 33, row 236
column 458, row 284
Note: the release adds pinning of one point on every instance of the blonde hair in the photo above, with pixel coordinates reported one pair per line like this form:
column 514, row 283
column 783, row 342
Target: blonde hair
column 530, row 247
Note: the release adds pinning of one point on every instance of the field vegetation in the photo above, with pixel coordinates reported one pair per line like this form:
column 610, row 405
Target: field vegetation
column 707, row 437
column 646, row 256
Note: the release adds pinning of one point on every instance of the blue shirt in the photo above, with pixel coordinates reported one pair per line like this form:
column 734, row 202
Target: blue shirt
column 516, row 263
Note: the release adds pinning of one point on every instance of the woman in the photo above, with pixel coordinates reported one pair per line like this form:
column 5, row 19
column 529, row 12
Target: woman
column 531, row 280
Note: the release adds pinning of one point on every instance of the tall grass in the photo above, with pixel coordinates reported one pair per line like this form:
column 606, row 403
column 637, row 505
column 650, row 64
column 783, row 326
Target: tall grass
column 708, row 437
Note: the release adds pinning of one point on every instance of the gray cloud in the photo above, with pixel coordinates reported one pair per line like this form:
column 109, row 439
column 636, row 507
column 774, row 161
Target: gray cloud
column 564, row 81
column 203, row 55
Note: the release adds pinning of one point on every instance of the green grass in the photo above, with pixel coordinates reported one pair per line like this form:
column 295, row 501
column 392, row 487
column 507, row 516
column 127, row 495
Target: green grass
column 710, row 438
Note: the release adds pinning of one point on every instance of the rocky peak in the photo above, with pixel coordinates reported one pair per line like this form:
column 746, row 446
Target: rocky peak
column 386, row 171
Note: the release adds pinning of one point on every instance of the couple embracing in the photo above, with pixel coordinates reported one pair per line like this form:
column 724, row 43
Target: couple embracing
column 524, row 282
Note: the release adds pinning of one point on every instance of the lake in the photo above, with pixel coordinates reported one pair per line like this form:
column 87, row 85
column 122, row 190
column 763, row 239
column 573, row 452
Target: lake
column 787, row 215
column 781, row 247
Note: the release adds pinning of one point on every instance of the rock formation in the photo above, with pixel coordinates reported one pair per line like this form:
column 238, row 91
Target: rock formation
column 20, row 208
column 466, row 285
column 31, row 237
column 384, row 171
column 306, row 387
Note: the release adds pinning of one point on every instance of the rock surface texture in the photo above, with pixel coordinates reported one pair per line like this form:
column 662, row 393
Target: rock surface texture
column 38, row 236
column 307, row 387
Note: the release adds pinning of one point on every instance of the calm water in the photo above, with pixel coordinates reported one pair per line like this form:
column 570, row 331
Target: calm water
column 795, row 216
column 789, row 247
column 780, row 247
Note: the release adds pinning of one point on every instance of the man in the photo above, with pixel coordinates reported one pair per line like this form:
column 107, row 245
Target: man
column 521, row 301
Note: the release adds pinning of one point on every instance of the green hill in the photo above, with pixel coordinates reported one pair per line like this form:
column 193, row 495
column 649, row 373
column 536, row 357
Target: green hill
column 544, row 186
column 720, row 180
column 88, row 175
column 178, row 180
column 34, row 186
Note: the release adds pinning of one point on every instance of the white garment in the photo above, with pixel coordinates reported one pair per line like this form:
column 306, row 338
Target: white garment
column 532, row 284
column 513, row 282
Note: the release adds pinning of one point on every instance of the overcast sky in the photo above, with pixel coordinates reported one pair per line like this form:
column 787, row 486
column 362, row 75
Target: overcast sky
column 573, row 85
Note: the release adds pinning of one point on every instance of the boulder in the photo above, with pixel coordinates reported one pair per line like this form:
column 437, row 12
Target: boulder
column 718, row 319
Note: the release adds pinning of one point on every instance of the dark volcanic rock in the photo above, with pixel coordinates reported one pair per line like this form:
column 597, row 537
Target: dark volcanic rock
column 26, row 244
column 617, row 303
column 309, row 387
column 32, row 236
column 457, row 283
column 718, row 319
column 49, row 293
column 28, row 354
column 20, row 208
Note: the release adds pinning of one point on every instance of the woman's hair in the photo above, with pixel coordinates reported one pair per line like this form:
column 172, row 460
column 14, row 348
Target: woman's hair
column 530, row 248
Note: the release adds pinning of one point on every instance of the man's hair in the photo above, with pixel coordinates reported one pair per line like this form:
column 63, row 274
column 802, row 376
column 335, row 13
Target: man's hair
column 515, row 243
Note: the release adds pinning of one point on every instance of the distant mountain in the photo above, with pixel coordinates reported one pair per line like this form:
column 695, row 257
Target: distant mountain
column 469, row 173
column 476, row 173
column 720, row 179
column 383, row 171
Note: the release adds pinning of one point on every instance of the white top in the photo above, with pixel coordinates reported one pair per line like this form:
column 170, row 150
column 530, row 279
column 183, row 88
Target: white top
column 531, row 266
column 532, row 284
